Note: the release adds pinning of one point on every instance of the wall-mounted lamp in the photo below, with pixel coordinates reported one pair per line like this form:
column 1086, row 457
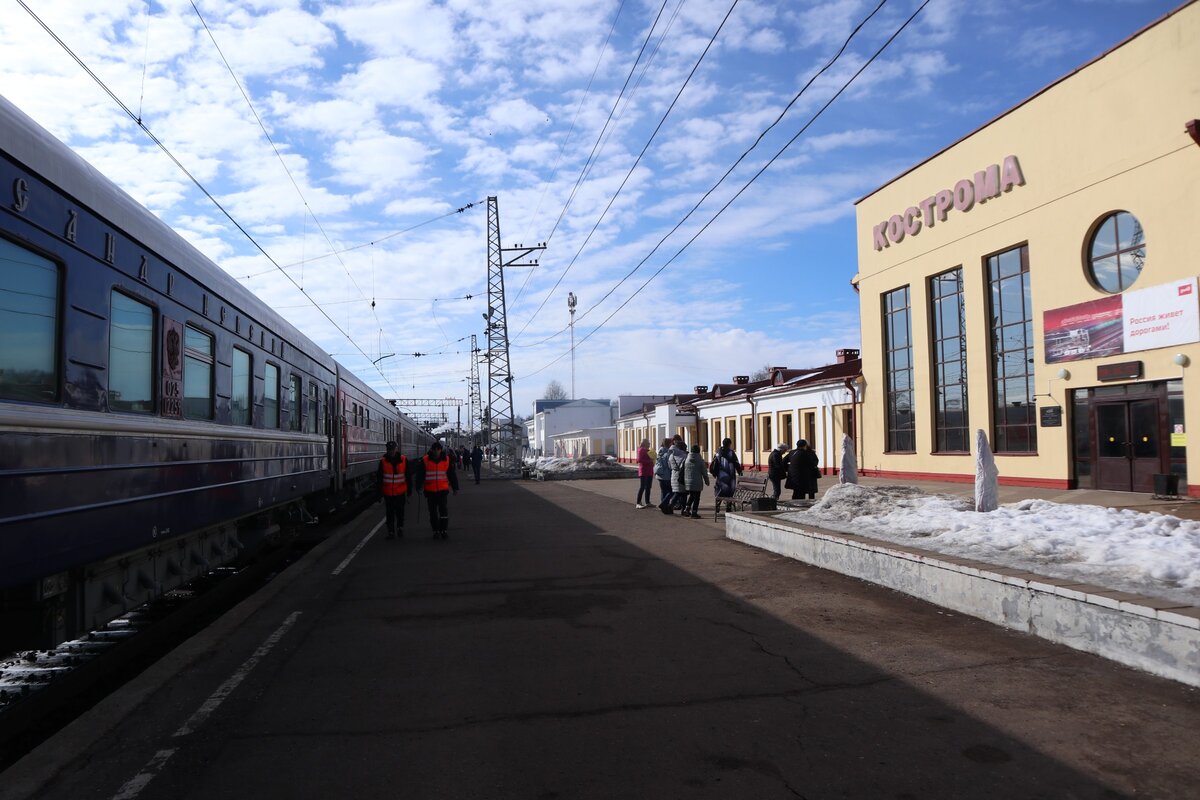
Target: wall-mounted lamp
column 1063, row 374
column 1181, row 360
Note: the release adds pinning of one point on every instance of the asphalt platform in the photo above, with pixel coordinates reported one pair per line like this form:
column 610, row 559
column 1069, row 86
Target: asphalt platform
column 562, row 644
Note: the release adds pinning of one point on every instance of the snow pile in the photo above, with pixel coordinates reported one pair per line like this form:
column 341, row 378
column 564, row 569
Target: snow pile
column 1144, row 553
column 586, row 467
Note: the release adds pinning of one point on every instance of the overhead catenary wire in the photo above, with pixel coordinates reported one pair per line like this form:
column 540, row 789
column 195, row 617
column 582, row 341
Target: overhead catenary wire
column 195, row 181
column 571, row 131
column 662, row 121
column 720, row 181
column 740, row 191
column 583, row 172
column 308, row 211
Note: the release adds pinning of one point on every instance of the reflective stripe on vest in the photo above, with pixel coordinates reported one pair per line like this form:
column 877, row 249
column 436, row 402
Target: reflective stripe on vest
column 393, row 477
column 435, row 475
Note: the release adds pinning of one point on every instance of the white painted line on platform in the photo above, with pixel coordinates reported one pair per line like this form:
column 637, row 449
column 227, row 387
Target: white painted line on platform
column 224, row 690
column 360, row 546
column 137, row 783
column 134, row 785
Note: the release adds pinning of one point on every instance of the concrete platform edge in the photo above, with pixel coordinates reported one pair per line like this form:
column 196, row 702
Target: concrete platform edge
column 26, row 777
column 1161, row 641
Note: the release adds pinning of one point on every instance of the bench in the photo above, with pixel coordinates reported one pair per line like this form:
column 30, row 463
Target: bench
column 750, row 487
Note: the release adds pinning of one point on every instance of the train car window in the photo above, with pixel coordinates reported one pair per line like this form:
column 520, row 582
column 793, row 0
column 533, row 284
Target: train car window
column 270, row 396
column 243, row 378
column 130, row 355
column 197, row 374
column 28, row 325
column 294, row 398
column 314, row 409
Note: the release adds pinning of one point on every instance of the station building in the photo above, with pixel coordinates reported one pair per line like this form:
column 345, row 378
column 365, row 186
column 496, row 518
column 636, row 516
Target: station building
column 819, row 404
column 1037, row 280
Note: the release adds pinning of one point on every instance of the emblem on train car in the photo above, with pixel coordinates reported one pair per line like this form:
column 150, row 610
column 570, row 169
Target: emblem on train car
column 172, row 369
column 20, row 194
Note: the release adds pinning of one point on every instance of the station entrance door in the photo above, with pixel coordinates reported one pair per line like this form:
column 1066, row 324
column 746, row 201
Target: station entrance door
column 1129, row 441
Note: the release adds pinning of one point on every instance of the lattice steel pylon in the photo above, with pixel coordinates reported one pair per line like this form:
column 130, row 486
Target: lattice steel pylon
column 500, row 430
column 473, row 402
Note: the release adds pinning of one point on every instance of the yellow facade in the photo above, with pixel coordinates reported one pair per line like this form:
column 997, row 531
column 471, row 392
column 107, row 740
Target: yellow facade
column 1109, row 137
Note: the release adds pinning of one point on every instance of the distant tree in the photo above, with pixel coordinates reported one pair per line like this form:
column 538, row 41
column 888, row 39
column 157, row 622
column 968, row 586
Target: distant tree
column 554, row 391
column 762, row 373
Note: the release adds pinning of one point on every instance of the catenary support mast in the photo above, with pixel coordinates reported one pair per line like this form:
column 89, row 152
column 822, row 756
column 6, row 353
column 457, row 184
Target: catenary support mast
column 499, row 425
column 474, row 411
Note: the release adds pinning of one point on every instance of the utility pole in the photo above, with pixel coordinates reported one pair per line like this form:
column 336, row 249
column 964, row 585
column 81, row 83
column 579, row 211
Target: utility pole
column 473, row 409
column 571, row 301
column 501, row 427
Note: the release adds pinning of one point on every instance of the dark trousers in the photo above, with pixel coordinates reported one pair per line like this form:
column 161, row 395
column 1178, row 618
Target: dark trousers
column 439, row 510
column 777, row 483
column 644, row 489
column 693, row 503
column 394, row 504
column 665, row 488
column 475, row 468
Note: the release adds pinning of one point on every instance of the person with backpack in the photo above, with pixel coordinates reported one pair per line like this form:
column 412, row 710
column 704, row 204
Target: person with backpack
column 726, row 468
column 662, row 472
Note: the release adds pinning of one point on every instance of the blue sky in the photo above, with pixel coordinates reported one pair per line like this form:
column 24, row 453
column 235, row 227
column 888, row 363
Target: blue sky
column 386, row 116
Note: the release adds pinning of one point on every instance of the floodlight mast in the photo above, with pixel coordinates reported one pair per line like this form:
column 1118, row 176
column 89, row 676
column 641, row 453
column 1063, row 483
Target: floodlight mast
column 571, row 301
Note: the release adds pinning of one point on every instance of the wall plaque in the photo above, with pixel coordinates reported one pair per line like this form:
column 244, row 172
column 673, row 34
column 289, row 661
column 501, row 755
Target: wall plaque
column 1051, row 416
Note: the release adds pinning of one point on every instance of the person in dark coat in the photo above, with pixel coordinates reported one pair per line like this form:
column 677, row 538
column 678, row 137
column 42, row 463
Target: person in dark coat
column 777, row 468
column 803, row 472
column 726, row 468
column 476, row 461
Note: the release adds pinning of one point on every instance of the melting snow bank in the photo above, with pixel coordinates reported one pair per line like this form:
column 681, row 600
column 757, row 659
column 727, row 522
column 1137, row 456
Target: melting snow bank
column 557, row 468
column 1145, row 553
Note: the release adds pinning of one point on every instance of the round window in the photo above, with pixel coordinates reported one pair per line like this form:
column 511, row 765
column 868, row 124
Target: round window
column 1117, row 252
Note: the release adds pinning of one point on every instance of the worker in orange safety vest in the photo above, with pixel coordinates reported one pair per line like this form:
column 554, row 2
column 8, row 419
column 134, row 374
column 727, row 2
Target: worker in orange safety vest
column 394, row 487
column 437, row 477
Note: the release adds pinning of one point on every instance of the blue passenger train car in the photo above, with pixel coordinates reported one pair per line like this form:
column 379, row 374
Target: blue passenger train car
column 156, row 418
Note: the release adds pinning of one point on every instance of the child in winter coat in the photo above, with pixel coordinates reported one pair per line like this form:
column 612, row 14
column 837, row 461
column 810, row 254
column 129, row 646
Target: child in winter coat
column 695, row 478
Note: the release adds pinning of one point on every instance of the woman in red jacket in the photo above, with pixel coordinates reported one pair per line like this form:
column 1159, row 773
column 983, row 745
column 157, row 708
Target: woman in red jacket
column 645, row 464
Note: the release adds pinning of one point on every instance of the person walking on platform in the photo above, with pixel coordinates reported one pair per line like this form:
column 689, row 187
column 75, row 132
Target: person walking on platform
column 803, row 472
column 476, row 461
column 437, row 478
column 677, row 459
column 393, row 489
column 777, row 468
column 725, row 468
column 645, row 465
column 662, row 472
column 695, row 478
